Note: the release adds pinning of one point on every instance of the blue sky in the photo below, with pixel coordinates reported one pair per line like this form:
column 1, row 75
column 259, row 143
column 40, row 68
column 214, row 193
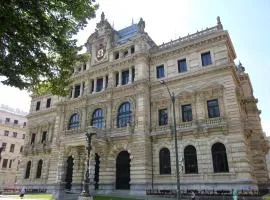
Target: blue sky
column 248, row 23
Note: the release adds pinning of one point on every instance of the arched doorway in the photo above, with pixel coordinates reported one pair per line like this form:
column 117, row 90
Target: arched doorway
column 123, row 170
column 96, row 178
column 69, row 173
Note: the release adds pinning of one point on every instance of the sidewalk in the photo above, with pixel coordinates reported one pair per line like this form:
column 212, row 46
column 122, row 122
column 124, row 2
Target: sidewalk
column 4, row 197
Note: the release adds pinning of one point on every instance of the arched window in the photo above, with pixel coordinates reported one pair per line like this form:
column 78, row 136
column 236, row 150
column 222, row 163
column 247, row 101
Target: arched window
column 28, row 168
column 97, row 118
column 74, row 122
column 39, row 169
column 124, row 115
column 190, row 157
column 219, row 156
column 164, row 161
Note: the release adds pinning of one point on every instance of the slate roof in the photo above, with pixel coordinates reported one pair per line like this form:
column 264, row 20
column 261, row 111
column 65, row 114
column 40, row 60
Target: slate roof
column 127, row 33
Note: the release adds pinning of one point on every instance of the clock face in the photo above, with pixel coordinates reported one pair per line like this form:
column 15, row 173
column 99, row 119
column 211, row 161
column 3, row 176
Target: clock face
column 100, row 53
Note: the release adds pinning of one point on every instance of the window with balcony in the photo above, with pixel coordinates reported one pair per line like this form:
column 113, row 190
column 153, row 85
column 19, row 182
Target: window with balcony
column 33, row 138
column 6, row 133
column 12, row 147
column 164, row 161
column 190, row 158
column 213, row 108
column 160, row 71
column 74, row 122
column 99, row 86
column 77, row 91
column 182, row 65
column 206, row 58
column 44, row 136
column 48, row 103
column 187, row 113
column 4, row 145
column 219, row 156
column 162, row 117
column 5, row 163
column 97, row 118
column 38, row 106
column 125, row 77
column 15, row 134
column 124, row 116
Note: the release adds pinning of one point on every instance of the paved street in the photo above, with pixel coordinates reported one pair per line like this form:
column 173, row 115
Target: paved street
column 3, row 197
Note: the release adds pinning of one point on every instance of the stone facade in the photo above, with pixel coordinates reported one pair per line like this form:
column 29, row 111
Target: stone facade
column 12, row 133
column 118, row 91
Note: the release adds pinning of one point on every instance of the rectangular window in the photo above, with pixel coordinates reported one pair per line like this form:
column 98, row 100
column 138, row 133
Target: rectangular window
column 33, row 138
column 6, row 133
column 15, row 134
column 187, row 113
column 213, row 108
column 125, row 77
column 24, row 124
column 12, row 147
column 206, row 58
column 132, row 49
column 84, row 66
column 44, row 136
column 16, row 121
column 23, row 136
column 92, row 86
column 133, row 74
column 10, row 163
column 7, row 120
column 38, row 105
column 116, row 79
column 77, row 91
column 162, row 117
column 182, row 65
column 21, row 149
column 116, row 55
column 160, row 71
column 5, row 162
column 99, row 86
column 106, row 81
column 4, row 145
column 48, row 104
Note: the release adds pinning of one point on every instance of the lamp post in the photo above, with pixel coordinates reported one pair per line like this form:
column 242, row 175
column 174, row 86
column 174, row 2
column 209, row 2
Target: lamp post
column 175, row 140
column 85, row 195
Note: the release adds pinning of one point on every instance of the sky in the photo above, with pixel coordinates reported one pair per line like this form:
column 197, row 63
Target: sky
column 248, row 23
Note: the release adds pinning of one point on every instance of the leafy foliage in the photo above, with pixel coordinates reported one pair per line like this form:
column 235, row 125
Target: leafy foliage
column 36, row 45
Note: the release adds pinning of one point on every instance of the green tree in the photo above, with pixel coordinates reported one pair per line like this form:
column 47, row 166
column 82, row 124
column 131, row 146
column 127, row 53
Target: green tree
column 37, row 49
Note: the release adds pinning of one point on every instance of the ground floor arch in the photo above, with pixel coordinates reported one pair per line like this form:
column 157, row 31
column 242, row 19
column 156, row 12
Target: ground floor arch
column 123, row 171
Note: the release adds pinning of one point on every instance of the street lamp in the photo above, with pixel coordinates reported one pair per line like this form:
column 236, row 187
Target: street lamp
column 175, row 140
column 85, row 195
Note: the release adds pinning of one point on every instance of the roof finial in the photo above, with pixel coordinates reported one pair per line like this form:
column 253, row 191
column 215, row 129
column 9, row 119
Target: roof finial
column 102, row 16
column 132, row 21
column 219, row 24
column 141, row 26
column 240, row 67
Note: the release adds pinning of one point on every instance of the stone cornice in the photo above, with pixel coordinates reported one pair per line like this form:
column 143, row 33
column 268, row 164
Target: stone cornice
column 41, row 113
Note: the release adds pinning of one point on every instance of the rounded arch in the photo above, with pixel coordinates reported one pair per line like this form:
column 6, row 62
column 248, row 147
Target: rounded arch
column 39, row 168
column 164, row 161
column 74, row 121
column 123, row 170
column 190, row 158
column 28, row 169
column 97, row 119
column 219, row 157
column 124, row 114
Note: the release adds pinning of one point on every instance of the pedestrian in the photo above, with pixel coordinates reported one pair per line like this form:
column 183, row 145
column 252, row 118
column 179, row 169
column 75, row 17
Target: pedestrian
column 193, row 195
column 22, row 192
column 235, row 194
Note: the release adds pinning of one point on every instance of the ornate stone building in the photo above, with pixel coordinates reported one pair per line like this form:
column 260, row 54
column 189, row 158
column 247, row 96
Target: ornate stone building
column 118, row 95
column 12, row 133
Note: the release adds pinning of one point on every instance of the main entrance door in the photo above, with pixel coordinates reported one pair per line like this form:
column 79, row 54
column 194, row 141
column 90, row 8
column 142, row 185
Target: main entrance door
column 123, row 170
column 69, row 173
